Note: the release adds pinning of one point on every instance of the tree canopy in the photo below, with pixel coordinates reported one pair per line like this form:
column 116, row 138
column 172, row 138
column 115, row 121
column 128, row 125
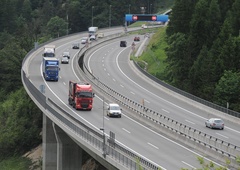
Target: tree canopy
column 203, row 39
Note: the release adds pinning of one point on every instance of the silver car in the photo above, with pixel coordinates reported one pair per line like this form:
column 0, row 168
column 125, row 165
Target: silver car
column 64, row 60
column 114, row 110
column 215, row 123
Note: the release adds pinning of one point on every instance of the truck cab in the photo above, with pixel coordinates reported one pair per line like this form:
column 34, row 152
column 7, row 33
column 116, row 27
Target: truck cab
column 80, row 95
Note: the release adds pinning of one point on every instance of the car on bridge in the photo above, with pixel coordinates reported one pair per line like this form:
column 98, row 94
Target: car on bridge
column 64, row 60
column 136, row 38
column 214, row 123
column 123, row 43
column 75, row 46
column 114, row 110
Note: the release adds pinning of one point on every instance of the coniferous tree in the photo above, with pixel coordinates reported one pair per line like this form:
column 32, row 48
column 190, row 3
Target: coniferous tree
column 228, row 91
column 181, row 16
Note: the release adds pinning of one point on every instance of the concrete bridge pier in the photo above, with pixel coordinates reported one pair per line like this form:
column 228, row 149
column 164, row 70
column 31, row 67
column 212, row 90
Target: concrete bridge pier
column 60, row 152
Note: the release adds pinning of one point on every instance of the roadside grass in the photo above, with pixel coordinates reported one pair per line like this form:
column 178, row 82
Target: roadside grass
column 154, row 55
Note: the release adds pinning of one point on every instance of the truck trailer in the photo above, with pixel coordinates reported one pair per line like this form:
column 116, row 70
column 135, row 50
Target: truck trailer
column 93, row 33
column 49, row 51
column 80, row 95
column 50, row 68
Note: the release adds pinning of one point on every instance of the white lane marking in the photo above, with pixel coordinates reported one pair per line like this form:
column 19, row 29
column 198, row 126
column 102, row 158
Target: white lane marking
column 114, row 80
column 146, row 101
column 189, row 165
column 161, row 97
column 126, row 130
column 105, row 117
column 121, row 85
column 136, row 122
column 102, row 61
column 64, row 83
column 153, row 145
column 165, row 111
column 108, row 74
column 132, row 93
column 222, row 135
column 190, row 122
column 104, row 69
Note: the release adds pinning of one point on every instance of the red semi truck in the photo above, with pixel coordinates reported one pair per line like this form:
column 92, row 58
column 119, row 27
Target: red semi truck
column 80, row 95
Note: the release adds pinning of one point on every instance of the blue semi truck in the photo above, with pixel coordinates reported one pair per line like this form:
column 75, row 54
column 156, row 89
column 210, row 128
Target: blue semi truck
column 50, row 68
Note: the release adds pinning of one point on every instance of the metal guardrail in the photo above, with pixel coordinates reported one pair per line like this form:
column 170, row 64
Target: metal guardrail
column 158, row 119
column 188, row 95
column 115, row 151
column 118, row 153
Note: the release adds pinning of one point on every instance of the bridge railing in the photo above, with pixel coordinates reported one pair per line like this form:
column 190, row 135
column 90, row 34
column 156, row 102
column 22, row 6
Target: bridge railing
column 161, row 121
column 116, row 152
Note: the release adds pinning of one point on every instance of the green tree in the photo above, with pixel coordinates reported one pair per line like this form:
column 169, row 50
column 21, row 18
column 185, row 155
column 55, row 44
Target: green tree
column 181, row 17
column 57, row 27
column 228, row 91
column 20, row 124
column 11, row 61
column 201, row 75
column 235, row 18
column 178, row 61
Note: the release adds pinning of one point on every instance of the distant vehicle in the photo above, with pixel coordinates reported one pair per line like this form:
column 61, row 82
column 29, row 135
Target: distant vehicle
column 66, row 54
column 84, row 40
column 100, row 35
column 50, row 68
column 123, row 43
column 64, row 60
column 147, row 35
column 144, row 26
column 75, row 46
column 136, row 38
column 92, row 37
column 80, row 95
column 114, row 110
column 93, row 31
column 215, row 123
column 49, row 51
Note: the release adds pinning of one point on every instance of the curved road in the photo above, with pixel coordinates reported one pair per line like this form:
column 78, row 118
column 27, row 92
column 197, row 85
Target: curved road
column 156, row 148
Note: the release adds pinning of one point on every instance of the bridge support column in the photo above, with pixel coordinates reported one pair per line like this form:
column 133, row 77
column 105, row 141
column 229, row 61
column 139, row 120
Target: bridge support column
column 69, row 153
column 49, row 145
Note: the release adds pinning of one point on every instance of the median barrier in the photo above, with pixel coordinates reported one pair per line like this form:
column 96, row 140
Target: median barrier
column 156, row 120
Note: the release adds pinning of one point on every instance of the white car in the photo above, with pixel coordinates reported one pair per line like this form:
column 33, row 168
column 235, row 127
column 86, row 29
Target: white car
column 215, row 123
column 114, row 110
column 64, row 60
column 100, row 35
column 84, row 40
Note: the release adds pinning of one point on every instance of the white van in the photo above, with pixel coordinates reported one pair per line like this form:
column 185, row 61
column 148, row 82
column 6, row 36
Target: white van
column 114, row 110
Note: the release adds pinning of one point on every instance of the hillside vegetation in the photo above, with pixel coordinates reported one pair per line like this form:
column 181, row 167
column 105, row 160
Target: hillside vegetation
column 199, row 51
column 24, row 22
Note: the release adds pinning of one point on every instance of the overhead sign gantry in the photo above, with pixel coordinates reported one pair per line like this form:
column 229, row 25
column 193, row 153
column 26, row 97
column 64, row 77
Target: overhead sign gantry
column 146, row 17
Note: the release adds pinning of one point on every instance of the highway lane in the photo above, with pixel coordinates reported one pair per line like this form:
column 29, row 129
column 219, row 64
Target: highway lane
column 130, row 133
column 110, row 64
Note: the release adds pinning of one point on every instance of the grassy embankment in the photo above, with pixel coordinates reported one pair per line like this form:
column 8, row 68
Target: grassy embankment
column 154, row 55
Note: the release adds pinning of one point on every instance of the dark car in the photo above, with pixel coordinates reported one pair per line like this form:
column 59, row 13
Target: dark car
column 123, row 43
column 136, row 38
column 75, row 46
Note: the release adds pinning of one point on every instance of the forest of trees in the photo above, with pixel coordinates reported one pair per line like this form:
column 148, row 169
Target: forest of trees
column 23, row 22
column 203, row 54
